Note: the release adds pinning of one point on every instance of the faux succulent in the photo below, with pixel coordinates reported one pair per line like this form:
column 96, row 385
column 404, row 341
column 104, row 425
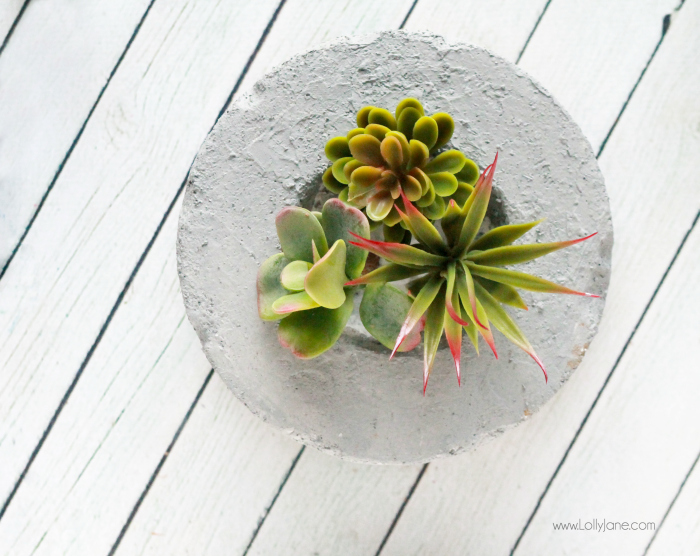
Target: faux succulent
column 391, row 170
column 305, row 284
column 458, row 279
column 388, row 157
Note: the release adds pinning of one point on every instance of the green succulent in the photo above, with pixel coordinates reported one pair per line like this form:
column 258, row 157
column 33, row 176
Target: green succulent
column 459, row 279
column 387, row 155
column 305, row 284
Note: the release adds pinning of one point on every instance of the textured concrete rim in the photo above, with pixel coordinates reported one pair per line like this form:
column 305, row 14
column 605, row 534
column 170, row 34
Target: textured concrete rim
column 266, row 152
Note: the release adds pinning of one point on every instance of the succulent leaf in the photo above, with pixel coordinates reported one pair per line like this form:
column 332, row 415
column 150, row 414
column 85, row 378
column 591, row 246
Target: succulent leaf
column 405, row 150
column 469, row 173
column 419, row 154
column 340, row 222
column 269, row 285
column 296, row 229
column 506, row 326
column 514, row 254
column 474, row 311
column 436, row 209
column 366, row 149
column 383, row 117
column 406, row 121
column 522, row 280
column 502, row 292
column 422, row 228
column 450, row 161
column 392, row 152
column 338, row 167
column 377, row 130
column 393, row 234
column 446, row 127
column 399, row 253
column 383, row 310
column 325, row 280
column 423, row 300
column 309, row 333
column 293, row 302
column 379, row 205
column 434, row 325
column 363, row 116
column 387, row 273
column 453, row 330
column 412, row 188
column 452, row 308
column 293, row 275
column 355, row 131
column 445, row 184
column 337, row 148
column 350, row 167
column 409, row 103
column 332, row 184
column 503, row 235
column 477, row 210
column 426, row 131
column 366, row 176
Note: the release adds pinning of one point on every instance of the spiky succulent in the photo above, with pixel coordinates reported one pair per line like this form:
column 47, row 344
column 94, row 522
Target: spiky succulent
column 459, row 279
column 388, row 156
column 305, row 284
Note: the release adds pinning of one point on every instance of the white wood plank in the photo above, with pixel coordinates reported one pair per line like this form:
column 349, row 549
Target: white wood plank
column 122, row 414
column 9, row 10
column 192, row 510
column 126, row 396
column 478, row 503
column 501, row 26
column 323, row 507
column 680, row 532
column 52, row 71
column 641, row 438
column 110, row 198
column 594, row 83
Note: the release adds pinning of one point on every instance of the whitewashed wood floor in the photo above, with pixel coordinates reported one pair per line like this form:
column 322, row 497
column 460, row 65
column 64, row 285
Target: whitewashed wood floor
column 116, row 437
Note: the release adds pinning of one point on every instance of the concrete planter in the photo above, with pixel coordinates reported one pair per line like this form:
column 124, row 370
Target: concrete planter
column 266, row 152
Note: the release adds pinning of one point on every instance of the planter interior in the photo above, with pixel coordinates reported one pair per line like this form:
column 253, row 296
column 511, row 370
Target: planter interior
column 266, row 152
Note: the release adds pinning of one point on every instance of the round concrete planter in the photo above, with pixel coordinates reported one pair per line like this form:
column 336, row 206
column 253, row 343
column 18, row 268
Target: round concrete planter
column 266, row 152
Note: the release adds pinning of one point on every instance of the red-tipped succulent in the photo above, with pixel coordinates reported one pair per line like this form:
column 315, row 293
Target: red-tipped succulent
column 458, row 279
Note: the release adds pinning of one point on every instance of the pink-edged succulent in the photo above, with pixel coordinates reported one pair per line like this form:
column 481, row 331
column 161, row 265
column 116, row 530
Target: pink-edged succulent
column 458, row 279
column 304, row 286
column 388, row 156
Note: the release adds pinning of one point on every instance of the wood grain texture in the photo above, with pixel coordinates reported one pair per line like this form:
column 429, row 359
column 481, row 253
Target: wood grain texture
column 52, row 71
column 594, row 83
column 502, row 26
column 480, row 502
column 107, row 204
column 9, row 10
column 680, row 532
column 642, row 436
column 330, row 506
column 120, row 418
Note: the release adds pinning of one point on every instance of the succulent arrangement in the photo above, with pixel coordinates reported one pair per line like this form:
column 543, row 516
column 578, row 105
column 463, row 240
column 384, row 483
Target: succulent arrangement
column 390, row 171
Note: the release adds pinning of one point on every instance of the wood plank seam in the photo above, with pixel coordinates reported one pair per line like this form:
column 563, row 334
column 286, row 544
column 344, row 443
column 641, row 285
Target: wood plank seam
column 532, row 33
column 600, row 392
column 262, row 519
column 12, row 27
column 160, row 464
column 408, row 14
column 142, row 258
column 673, row 502
column 401, row 509
column 85, row 362
column 62, row 165
column 665, row 26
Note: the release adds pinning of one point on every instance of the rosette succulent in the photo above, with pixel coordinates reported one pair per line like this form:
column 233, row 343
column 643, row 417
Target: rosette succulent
column 388, row 157
column 459, row 280
column 305, row 284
